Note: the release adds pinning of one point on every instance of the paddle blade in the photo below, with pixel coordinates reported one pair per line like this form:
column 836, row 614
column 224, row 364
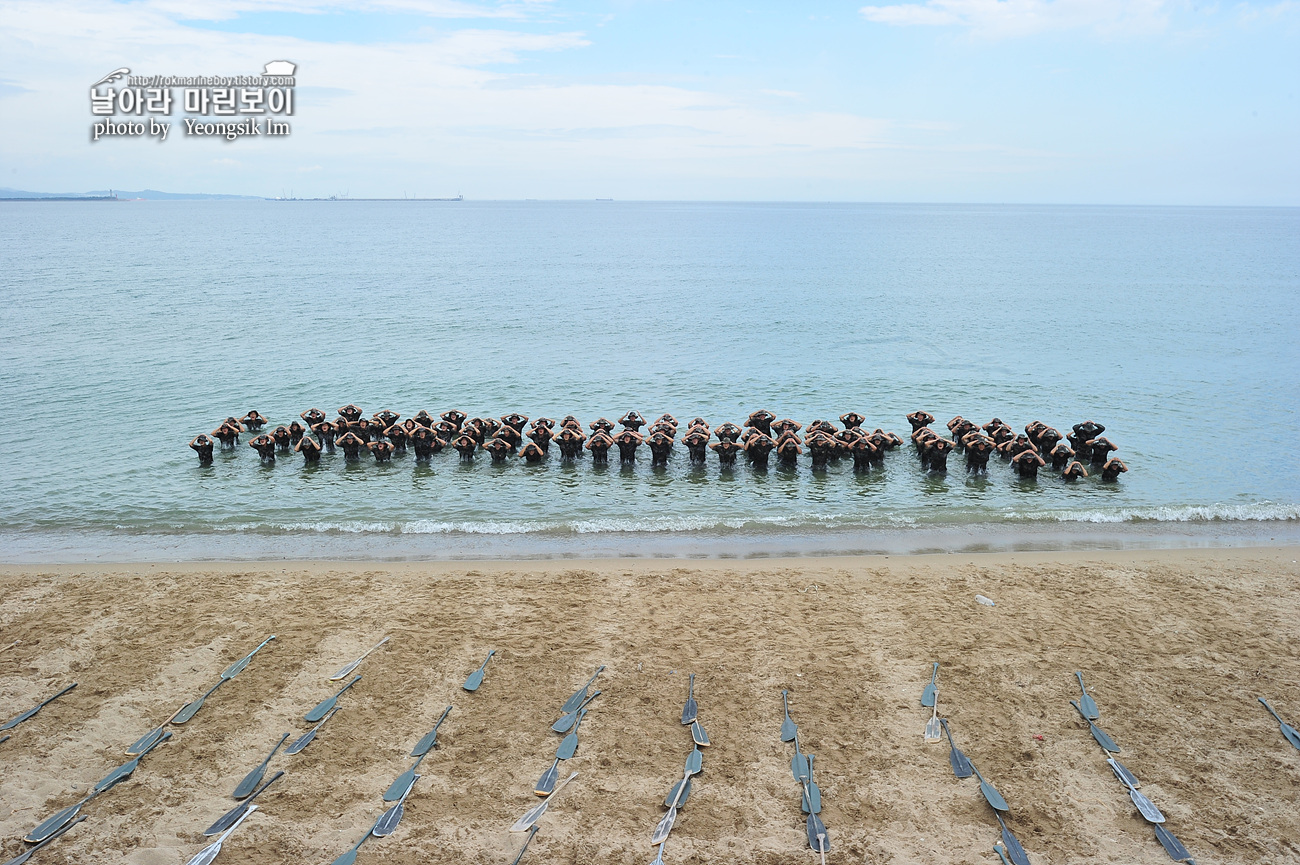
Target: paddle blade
column 788, row 729
column 118, row 775
column 226, row 820
column 191, row 709
column 321, row 709
column 206, row 855
column 430, row 738
column 933, row 731
column 960, row 764
column 387, row 823
column 348, row 858
column 697, row 733
column 565, row 724
column 993, row 797
column 1015, row 852
column 673, row 793
column 1172, row 845
column 1291, row 733
column 695, row 761
column 811, row 799
column 1145, row 807
column 400, row 785
column 51, row 824
column 250, row 782
column 818, row 838
column 690, row 711
column 576, row 700
column 546, row 783
column 568, row 747
column 664, row 827
column 1121, row 771
column 18, row 719
column 799, row 766
column 531, row 816
column 1089, row 707
column 301, row 742
column 1103, row 738
column 927, row 696
column 145, row 742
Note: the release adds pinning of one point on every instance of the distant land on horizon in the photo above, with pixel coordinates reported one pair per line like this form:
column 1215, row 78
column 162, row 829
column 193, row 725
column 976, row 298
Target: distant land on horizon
column 148, row 194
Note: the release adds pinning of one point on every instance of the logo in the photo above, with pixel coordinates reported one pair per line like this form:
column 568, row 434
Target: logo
column 213, row 106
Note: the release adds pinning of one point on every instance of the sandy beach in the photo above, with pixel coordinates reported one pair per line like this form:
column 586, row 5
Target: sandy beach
column 1174, row 645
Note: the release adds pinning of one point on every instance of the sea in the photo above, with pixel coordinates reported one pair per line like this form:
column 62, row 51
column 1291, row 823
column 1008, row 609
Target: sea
column 130, row 327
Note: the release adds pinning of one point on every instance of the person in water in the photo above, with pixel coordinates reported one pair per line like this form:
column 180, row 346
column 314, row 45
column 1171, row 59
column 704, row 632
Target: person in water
column 203, row 447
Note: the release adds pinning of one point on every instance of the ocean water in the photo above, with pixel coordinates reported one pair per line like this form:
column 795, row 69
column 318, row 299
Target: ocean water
column 131, row 327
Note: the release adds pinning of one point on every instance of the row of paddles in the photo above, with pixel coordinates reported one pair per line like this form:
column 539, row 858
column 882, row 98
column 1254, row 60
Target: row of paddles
column 681, row 790
column 548, row 786
column 801, row 766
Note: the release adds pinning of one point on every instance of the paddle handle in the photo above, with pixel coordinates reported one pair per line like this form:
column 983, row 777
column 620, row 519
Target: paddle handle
column 1270, row 710
column 345, row 687
column 259, row 790
column 691, row 692
column 372, row 648
column 242, row 818
column 58, row 695
column 934, row 674
column 560, row 786
column 276, row 748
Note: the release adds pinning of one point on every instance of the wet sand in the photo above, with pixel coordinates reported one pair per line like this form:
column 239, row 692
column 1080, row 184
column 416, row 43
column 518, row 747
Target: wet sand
column 1175, row 646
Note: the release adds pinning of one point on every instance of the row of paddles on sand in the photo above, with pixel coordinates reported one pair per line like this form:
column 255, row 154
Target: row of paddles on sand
column 681, row 790
column 801, row 766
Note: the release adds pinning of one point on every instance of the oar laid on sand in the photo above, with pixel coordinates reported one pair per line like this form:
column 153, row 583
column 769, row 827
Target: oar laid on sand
column 1145, row 806
column 348, row 668
column 933, row 731
column 569, row 745
column 1087, row 704
column 430, row 739
column 387, row 823
column 1002, row 854
column 578, row 697
column 208, row 853
column 27, row 854
column 350, row 857
column 306, row 738
column 4, row 739
column 1102, row 737
column 403, row 781
column 812, row 796
column 928, row 692
column 228, row 819
column 546, row 783
column 190, row 709
column 1172, row 845
column 692, row 709
column 798, row 763
column 1290, row 733
column 1121, row 771
column 238, row 667
column 665, row 825
column 476, row 678
column 991, row 795
column 818, row 838
column 788, row 727
column 698, row 735
column 328, row 703
column 1015, row 851
column 959, row 762
column 524, row 849
column 566, row 720
column 59, row 819
column 253, row 778
column 533, row 814
column 18, row 719
column 139, row 746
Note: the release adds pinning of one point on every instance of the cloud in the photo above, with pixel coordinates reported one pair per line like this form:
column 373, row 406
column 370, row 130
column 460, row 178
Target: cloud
column 1012, row 18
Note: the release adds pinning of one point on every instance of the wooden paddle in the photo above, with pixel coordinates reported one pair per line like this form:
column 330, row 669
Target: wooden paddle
column 253, row 778
column 18, row 719
column 27, row 854
column 579, row 696
column 306, row 738
column 569, row 746
column 430, row 739
column 139, row 746
column 992, row 796
column 387, row 823
column 566, row 720
column 927, row 694
column 321, row 708
column 1086, row 703
column 788, row 728
column 524, row 849
column 698, row 735
column 1016, row 852
column 238, row 667
column 476, row 678
column 190, row 709
column 533, row 814
column 208, row 853
column 959, row 762
column 403, row 782
column 1290, row 733
column 546, row 783
column 692, row 709
column 1103, row 739
column 933, row 731
column 348, row 668
column 812, row 798
column 228, row 819
column 1172, row 845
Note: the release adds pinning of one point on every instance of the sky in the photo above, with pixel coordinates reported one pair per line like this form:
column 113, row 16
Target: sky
column 1046, row 101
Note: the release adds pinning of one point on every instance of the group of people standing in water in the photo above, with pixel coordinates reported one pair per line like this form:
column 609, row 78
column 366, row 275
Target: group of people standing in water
column 760, row 438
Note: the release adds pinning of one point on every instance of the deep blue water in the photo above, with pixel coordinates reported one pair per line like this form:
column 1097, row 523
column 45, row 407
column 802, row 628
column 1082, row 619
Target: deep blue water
column 131, row 327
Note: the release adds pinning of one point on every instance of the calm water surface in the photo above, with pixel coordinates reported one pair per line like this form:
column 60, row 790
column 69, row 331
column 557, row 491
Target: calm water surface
column 131, row 327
